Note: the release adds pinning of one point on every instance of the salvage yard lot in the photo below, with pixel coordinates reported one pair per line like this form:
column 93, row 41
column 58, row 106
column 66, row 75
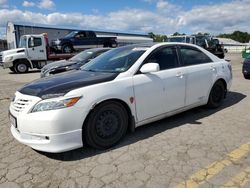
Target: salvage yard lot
column 200, row 147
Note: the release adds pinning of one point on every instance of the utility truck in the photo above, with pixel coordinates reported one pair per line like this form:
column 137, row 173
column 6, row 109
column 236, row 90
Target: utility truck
column 33, row 52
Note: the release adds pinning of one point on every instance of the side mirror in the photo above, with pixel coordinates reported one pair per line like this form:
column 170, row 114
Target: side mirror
column 150, row 67
column 31, row 42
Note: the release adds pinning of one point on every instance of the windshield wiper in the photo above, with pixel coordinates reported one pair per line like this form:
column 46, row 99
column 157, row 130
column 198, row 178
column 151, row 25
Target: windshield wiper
column 90, row 70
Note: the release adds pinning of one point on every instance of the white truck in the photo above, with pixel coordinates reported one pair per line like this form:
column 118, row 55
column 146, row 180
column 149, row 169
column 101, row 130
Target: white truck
column 33, row 52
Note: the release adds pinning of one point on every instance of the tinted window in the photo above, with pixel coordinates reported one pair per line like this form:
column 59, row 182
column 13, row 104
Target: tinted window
column 191, row 56
column 81, row 35
column 165, row 57
column 36, row 42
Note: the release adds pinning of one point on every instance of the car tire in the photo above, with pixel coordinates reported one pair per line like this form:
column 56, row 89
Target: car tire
column 12, row 69
column 67, row 48
column 247, row 76
column 105, row 125
column 21, row 67
column 217, row 95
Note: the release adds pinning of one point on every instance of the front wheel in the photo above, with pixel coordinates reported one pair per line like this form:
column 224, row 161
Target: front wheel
column 66, row 48
column 216, row 95
column 106, row 125
column 247, row 76
column 21, row 67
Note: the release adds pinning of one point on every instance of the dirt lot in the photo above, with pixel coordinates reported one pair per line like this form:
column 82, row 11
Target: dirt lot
column 198, row 148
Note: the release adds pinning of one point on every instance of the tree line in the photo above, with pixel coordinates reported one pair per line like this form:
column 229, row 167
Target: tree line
column 243, row 37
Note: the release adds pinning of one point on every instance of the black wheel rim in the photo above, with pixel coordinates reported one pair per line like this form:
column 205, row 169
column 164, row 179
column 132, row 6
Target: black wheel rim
column 67, row 49
column 217, row 93
column 107, row 124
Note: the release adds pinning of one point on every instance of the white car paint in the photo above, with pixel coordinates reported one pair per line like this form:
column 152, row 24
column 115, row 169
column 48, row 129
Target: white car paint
column 156, row 95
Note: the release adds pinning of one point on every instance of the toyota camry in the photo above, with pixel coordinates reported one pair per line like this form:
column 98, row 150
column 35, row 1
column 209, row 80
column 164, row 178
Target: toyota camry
column 118, row 91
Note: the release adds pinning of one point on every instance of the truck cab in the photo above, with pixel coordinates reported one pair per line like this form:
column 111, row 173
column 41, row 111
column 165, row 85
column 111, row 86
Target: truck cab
column 31, row 53
column 182, row 38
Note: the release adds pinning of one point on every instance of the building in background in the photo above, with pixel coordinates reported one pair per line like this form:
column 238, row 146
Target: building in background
column 3, row 45
column 15, row 30
column 233, row 46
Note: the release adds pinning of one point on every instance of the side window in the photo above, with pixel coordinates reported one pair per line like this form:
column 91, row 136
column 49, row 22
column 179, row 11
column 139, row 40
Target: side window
column 191, row 56
column 165, row 57
column 34, row 42
column 37, row 42
column 81, row 35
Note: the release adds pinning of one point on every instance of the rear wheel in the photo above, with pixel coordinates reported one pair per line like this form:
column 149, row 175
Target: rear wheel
column 106, row 125
column 216, row 95
column 21, row 67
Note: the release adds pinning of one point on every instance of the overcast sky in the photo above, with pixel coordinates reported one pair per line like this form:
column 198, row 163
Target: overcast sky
column 140, row 16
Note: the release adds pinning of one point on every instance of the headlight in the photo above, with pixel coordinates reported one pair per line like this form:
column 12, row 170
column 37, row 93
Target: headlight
column 9, row 58
column 57, row 41
column 50, row 104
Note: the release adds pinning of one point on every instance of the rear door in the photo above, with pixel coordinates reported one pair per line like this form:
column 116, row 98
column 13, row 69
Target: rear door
column 201, row 71
column 163, row 91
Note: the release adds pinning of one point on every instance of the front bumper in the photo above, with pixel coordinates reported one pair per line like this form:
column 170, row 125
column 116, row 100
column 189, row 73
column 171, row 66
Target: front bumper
column 53, row 143
column 56, row 47
column 50, row 131
column 6, row 65
column 246, row 70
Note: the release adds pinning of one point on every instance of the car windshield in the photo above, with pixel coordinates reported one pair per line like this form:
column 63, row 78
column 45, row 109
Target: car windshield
column 71, row 34
column 116, row 60
column 23, row 42
column 85, row 55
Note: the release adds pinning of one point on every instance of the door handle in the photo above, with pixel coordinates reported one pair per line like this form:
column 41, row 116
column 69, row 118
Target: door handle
column 41, row 50
column 179, row 75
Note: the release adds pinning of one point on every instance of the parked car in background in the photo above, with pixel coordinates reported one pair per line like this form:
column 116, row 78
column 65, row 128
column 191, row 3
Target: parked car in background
column 80, row 40
column 120, row 90
column 246, row 68
column 73, row 63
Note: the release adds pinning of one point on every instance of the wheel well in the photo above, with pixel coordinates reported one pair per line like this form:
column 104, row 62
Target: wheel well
column 67, row 43
column 224, row 83
column 23, row 61
column 131, row 126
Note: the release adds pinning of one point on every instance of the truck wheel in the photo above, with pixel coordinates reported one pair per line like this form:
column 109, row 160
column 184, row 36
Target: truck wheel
column 66, row 48
column 12, row 69
column 21, row 67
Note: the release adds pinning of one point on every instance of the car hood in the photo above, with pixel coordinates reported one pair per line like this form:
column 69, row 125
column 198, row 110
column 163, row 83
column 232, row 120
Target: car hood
column 61, row 84
column 56, row 64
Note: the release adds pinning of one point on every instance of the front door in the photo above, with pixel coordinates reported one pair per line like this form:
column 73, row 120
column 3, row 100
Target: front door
column 36, row 49
column 162, row 91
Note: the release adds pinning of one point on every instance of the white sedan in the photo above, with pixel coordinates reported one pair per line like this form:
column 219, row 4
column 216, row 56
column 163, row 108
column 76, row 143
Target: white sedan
column 118, row 91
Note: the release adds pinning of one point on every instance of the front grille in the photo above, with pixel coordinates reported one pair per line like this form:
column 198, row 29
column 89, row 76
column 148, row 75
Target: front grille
column 1, row 58
column 20, row 104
